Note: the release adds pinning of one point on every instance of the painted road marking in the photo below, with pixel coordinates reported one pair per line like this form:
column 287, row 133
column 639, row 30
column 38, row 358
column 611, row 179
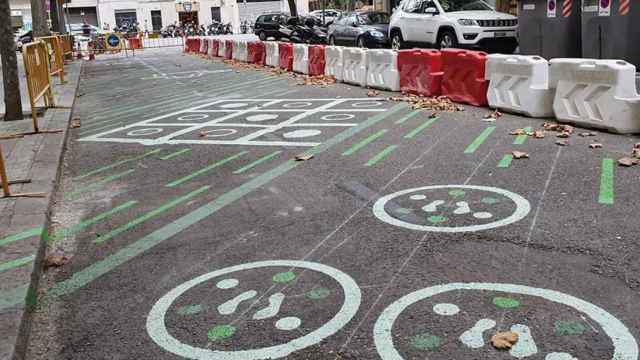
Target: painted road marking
column 364, row 142
column 437, row 218
column 625, row 346
column 116, row 164
column 99, row 268
column 607, row 193
column 381, row 155
column 205, row 169
column 21, row 235
column 257, row 162
column 479, row 140
column 419, row 129
column 520, row 139
column 157, row 211
column 506, row 161
column 174, row 154
column 87, row 131
column 408, row 116
column 157, row 327
column 98, row 183
column 8, row 265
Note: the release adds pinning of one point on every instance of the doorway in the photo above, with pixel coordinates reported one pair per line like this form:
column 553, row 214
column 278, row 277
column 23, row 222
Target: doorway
column 188, row 17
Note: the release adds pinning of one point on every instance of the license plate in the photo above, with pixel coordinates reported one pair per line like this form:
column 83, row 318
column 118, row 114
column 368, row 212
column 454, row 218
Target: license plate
column 500, row 34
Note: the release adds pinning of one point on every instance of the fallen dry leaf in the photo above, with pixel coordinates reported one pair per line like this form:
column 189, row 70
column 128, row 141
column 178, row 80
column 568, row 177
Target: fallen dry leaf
column 538, row 134
column 433, row 115
column 504, row 340
column 564, row 135
column 75, row 124
column 493, row 115
column 303, row 157
column 636, row 153
column 519, row 154
column 373, row 93
column 518, row 132
column 562, row 142
column 636, row 146
column 55, row 259
column 440, row 103
column 595, row 146
column 627, row 161
column 202, row 133
column 585, row 134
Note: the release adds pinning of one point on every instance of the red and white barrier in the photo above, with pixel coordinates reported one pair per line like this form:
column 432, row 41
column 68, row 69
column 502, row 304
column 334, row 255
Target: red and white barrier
column 228, row 49
column 285, row 52
column 301, row 58
column 463, row 80
column 272, row 57
column 204, row 45
column 354, row 66
column 334, row 61
column 420, row 71
column 240, row 50
column 214, row 47
column 382, row 69
column 316, row 60
column 222, row 48
column 256, row 52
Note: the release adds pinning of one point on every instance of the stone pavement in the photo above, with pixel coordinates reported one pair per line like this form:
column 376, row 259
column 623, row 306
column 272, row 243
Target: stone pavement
column 22, row 220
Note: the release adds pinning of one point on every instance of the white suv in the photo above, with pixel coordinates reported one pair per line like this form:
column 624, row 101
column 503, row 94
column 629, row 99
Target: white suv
column 451, row 24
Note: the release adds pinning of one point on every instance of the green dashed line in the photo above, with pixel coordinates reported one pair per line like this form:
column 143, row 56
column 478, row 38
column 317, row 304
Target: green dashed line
column 257, row 162
column 417, row 130
column 121, row 162
column 83, row 224
column 16, row 263
column 407, row 117
column 506, row 161
column 20, row 236
column 520, row 139
column 364, row 142
column 479, row 140
column 99, row 183
column 381, row 155
column 607, row 194
column 174, row 154
column 205, row 169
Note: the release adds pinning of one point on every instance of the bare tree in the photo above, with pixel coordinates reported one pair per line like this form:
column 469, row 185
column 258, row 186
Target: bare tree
column 293, row 8
column 12, row 100
column 39, row 18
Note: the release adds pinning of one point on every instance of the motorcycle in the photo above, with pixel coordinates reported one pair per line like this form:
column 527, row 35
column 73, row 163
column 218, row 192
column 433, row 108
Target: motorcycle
column 202, row 31
column 308, row 30
column 213, row 28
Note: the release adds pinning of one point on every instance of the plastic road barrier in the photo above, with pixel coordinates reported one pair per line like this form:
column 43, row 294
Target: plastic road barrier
column 596, row 93
column 135, row 43
column 333, row 61
column 228, row 49
column 420, row 71
column 214, row 46
column 382, row 69
column 240, row 50
column 354, row 62
column 196, row 45
column 222, row 48
column 519, row 84
column 204, row 44
column 272, row 57
column 285, row 52
column 316, row 60
column 301, row 58
column 256, row 52
column 463, row 80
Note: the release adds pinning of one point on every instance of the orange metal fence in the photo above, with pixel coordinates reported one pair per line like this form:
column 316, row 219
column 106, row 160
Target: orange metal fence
column 55, row 52
column 36, row 65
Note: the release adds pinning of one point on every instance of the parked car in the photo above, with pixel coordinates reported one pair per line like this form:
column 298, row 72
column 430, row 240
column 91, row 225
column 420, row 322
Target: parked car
column 330, row 15
column 363, row 29
column 268, row 25
column 23, row 39
column 453, row 24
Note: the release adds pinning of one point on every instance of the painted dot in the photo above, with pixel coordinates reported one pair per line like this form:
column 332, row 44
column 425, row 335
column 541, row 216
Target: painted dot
column 221, row 332
column 437, row 219
column 566, row 328
column 417, row 197
column 284, row 277
column 426, row 341
column 227, row 283
column 482, row 215
column 262, row 117
column 318, row 293
column 288, row 323
column 189, row 309
column 233, row 105
column 366, row 104
column 404, row 211
column 143, row 132
column 298, row 208
column 301, row 134
column 457, row 193
column 337, row 117
column 445, row 309
column 505, row 302
column 490, row 200
column 193, row 117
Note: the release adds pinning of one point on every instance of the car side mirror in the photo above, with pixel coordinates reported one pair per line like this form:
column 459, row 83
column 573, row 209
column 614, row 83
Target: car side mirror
column 431, row 11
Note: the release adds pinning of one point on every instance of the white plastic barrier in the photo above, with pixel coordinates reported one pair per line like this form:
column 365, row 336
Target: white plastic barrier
column 354, row 62
column 203, row 44
column 382, row 70
column 272, row 57
column 596, row 93
column 210, row 49
column 519, row 84
column 301, row 58
column 221, row 48
column 333, row 62
column 240, row 50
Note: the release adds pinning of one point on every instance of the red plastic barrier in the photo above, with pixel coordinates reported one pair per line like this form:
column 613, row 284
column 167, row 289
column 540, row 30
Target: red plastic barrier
column 135, row 43
column 196, row 45
column 215, row 46
column 285, row 51
column 420, row 71
column 316, row 60
column 189, row 45
column 228, row 49
column 256, row 52
column 463, row 80
column 204, row 47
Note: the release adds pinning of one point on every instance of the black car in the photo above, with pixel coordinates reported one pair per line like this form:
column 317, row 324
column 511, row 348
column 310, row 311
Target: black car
column 24, row 39
column 363, row 29
column 268, row 25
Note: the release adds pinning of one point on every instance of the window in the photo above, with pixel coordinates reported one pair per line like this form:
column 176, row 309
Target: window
column 156, row 20
column 374, row 18
column 412, row 6
column 215, row 14
column 464, row 5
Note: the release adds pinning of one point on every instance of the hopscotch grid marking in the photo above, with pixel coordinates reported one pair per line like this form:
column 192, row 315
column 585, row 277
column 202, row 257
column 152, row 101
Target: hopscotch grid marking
column 288, row 110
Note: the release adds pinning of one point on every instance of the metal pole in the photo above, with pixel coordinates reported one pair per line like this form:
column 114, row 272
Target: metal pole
column 3, row 176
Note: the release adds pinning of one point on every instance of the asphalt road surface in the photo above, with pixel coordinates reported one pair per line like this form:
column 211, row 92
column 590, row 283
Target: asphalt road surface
column 193, row 233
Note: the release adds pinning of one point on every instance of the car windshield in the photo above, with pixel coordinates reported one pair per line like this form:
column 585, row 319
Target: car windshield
column 464, row 5
column 374, row 18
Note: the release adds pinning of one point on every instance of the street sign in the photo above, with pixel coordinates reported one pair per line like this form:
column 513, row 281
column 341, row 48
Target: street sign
column 113, row 42
column 551, row 8
column 604, row 8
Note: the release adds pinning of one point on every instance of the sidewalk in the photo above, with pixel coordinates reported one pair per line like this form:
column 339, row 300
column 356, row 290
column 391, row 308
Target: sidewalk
column 22, row 220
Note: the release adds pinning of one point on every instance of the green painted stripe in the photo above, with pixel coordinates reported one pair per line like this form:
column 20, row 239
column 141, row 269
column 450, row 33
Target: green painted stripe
column 177, row 153
column 98, row 183
column 157, row 211
column 479, row 140
column 423, row 126
column 407, row 117
column 83, row 224
column 12, row 297
column 116, row 164
column 607, row 194
column 99, row 268
column 506, row 161
column 257, row 162
column 8, row 265
column 520, row 139
column 381, row 155
column 364, row 142
column 21, row 235
column 205, row 169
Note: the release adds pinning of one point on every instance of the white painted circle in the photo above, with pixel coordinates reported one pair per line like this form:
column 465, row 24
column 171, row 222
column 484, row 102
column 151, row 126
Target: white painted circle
column 363, row 104
column 417, row 197
column 297, row 134
column 233, row 105
column 337, row 117
column 160, row 335
column 446, row 309
column 219, row 132
column 190, row 117
column 144, row 132
column 227, row 284
column 261, row 117
column 288, row 323
column 624, row 344
column 482, row 215
column 297, row 105
column 522, row 209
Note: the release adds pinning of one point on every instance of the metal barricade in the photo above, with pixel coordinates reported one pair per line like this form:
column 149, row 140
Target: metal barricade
column 67, row 46
column 56, row 56
column 36, row 67
column 5, row 183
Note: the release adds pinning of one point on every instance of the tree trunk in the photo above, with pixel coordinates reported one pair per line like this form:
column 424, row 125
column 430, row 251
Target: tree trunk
column 293, row 8
column 39, row 18
column 55, row 16
column 12, row 100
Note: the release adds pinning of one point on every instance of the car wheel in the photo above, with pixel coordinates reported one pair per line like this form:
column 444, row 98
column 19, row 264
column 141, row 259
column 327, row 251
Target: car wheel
column 332, row 41
column 262, row 36
column 447, row 39
column 396, row 41
column 361, row 43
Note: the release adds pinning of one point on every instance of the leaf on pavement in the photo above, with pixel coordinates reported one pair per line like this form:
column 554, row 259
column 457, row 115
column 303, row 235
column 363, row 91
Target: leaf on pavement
column 627, row 161
column 303, row 157
column 373, row 93
column 588, row 133
column 595, row 146
column 538, row 134
column 493, row 115
column 55, row 259
column 519, row 154
column 504, row 340
column 562, row 142
column 518, row 132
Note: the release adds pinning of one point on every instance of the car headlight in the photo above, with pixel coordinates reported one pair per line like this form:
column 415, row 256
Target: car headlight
column 376, row 34
column 467, row 22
